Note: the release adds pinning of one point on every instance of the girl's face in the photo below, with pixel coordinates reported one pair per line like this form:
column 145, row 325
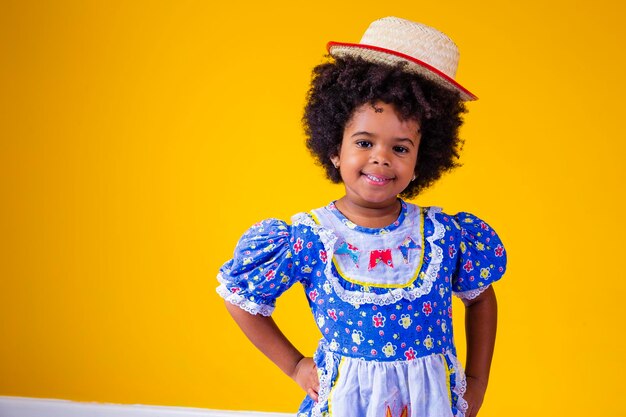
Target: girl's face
column 377, row 156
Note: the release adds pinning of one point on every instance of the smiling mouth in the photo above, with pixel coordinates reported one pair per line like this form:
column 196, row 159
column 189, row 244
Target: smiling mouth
column 377, row 180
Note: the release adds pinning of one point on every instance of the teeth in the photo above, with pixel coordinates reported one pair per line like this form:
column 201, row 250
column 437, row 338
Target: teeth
column 375, row 178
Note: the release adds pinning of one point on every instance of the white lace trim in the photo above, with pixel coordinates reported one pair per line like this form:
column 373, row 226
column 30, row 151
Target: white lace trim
column 410, row 293
column 471, row 294
column 325, row 380
column 460, row 386
column 242, row 302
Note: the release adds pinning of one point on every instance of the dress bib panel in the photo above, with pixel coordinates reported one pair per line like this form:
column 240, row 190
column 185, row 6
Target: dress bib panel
column 384, row 258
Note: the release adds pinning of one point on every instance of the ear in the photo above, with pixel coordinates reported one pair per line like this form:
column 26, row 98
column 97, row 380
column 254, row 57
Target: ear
column 335, row 160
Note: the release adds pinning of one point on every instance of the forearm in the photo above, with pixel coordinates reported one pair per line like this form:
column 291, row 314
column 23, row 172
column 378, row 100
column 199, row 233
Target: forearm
column 267, row 337
column 481, row 318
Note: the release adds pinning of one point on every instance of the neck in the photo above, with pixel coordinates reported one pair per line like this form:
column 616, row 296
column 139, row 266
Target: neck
column 369, row 216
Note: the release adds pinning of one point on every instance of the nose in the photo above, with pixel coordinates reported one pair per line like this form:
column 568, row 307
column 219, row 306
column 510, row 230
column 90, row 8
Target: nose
column 380, row 156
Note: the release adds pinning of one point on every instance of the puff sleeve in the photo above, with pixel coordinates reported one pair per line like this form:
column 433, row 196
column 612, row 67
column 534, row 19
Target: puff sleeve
column 482, row 258
column 260, row 269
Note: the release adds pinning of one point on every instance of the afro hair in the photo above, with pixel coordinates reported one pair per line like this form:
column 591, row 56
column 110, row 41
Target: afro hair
column 339, row 87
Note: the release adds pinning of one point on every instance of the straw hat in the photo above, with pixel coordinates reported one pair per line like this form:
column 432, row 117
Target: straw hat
column 390, row 40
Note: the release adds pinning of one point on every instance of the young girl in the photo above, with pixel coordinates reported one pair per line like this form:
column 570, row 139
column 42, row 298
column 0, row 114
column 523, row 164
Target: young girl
column 382, row 117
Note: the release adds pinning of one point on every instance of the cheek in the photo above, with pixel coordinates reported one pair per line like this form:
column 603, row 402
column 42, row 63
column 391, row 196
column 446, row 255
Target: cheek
column 351, row 159
column 414, row 163
column 411, row 164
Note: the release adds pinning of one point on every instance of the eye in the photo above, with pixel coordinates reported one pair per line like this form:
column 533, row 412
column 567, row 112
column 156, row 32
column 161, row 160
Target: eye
column 401, row 149
column 363, row 143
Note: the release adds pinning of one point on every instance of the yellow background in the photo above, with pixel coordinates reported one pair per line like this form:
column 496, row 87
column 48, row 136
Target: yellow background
column 138, row 140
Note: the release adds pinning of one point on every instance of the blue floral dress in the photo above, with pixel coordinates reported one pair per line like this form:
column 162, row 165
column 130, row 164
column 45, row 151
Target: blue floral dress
column 381, row 299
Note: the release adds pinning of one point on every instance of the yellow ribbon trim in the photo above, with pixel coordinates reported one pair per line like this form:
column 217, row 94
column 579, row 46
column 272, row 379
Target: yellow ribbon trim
column 330, row 394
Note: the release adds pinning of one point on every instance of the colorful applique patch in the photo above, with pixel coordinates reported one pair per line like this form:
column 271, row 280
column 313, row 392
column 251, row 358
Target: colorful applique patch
column 405, row 246
column 347, row 249
column 377, row 256
column 405, row 412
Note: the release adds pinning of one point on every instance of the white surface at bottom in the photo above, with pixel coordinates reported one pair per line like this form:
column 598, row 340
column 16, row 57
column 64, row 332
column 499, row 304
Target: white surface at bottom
column 40, row 407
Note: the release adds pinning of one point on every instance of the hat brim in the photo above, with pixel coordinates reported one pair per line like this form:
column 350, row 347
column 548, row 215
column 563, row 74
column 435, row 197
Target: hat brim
column 384, row 56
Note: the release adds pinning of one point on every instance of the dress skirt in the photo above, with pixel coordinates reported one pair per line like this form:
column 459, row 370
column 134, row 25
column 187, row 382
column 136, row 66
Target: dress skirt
column 428, row 386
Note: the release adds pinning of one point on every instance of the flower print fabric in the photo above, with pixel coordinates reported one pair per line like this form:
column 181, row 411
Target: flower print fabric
column 381, row 299
column 482, row 255
column 262, row 267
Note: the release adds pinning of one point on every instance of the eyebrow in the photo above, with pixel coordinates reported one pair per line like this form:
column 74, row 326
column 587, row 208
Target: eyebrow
column 363, row 132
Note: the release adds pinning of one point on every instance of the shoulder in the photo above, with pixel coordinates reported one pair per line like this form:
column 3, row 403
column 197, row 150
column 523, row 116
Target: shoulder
column 463, row 229
column 271, row 230
column 474, row 228
column 306, row 230
column 435, row 214
column 460, row 222
column 267, row 232
column 436, row 222
column 475, row 238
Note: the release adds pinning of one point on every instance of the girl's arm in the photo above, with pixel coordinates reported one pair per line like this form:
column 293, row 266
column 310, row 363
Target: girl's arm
column 267, row 337
column 481, row 316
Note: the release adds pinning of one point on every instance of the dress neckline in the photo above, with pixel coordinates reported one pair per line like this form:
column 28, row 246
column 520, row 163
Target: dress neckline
column 332, row 207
